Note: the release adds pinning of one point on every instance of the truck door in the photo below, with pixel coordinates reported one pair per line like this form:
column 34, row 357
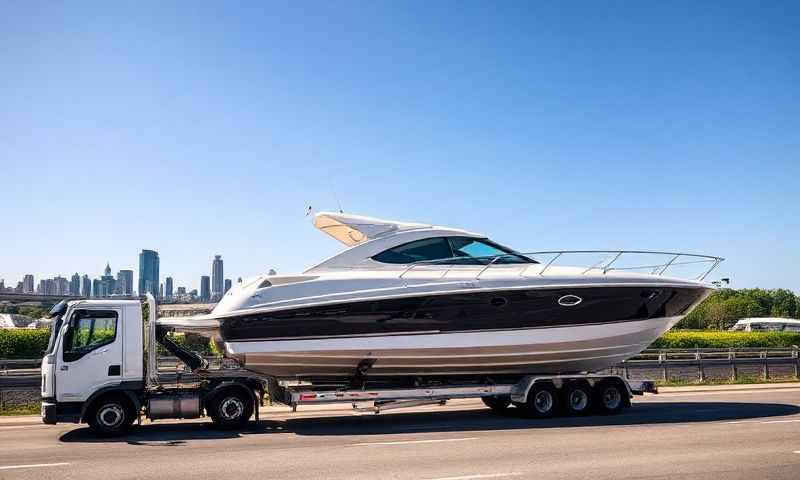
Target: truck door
column 91, row 354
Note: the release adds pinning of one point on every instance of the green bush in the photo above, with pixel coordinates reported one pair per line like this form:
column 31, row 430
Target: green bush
column 707, row 339
column 23, row 343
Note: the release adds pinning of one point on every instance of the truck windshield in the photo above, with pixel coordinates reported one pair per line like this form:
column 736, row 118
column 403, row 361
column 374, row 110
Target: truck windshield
column 54, row 328
column 57, row 313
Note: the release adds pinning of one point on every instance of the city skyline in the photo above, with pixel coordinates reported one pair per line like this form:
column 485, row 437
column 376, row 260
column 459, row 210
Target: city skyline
column 78, row 284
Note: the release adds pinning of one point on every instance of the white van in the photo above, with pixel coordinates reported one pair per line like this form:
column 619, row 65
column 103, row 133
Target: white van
column 772, row 324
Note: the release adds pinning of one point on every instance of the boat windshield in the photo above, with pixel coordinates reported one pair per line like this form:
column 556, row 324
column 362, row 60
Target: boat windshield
column 451, row 251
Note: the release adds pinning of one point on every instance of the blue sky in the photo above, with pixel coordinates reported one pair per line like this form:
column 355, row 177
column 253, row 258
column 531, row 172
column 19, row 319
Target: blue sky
column 199, row 128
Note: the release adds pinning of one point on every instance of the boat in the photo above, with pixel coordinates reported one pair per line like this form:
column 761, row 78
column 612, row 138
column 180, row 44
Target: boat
column 418, row 300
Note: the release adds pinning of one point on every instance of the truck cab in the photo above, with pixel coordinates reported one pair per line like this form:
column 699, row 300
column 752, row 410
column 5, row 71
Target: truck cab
column 101, row 367
column 95, row 346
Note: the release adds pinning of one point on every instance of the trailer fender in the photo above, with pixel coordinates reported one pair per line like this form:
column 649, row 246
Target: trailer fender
column 132, row 391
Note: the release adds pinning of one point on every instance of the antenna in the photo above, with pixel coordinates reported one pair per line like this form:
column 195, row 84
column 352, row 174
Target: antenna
column 335, row 197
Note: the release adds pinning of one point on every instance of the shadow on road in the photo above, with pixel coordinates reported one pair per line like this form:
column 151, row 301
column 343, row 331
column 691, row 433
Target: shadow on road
column 176, row 434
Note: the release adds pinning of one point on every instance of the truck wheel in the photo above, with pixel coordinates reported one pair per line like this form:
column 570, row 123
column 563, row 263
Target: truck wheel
column 542, row 400
column 231, row 409
column 577, row 398
column 497, row 403
column 111, row 415
column 610, row 396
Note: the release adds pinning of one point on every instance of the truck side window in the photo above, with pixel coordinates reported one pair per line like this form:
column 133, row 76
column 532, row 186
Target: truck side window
column 89, row 330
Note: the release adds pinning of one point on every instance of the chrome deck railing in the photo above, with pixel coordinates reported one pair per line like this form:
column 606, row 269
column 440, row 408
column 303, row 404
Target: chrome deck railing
column 610, row 262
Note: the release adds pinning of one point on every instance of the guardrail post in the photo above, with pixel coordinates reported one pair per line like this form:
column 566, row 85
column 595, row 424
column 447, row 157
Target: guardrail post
column 765, row 367
column 732, row 359
column 662, row 359
column 698, row 357
column 796, row 362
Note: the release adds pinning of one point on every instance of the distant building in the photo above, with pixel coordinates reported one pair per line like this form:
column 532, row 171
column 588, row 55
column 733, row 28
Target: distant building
column 108, row 281
column 86, row 286
column 27, row 284
column 205, row 286
column 217, row 276
column 161, row 291
column 75, row 285
column 148, row 272
column 60, row 286
column 181, row 290
column 97, row 288
column 125, row 282
column 168, row 288
column 228, row 285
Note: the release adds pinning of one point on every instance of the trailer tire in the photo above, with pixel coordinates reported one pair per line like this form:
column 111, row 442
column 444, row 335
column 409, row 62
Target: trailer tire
column 498, row 403
column 542, row 401
column 111, row 415
column 230, row 409
column 610, row 396
column 577, row 398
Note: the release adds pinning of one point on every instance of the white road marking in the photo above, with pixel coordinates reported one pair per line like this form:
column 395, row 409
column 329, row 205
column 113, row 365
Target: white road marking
column 794, row 420
column 12, row 427
column 408, row 442
column 474, row 477
column 34, row 465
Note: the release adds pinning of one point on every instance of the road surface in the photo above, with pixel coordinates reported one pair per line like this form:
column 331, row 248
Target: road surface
column 688, row 435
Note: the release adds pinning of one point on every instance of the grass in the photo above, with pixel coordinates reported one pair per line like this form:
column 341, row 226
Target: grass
column 28, row 409
column 721, row 381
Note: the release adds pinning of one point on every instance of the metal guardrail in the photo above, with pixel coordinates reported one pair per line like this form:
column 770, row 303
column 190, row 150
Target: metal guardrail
column 605, row 265
column 664, row 361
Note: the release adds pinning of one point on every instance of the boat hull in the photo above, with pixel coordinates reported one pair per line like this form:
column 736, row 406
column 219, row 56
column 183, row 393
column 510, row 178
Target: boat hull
column 482, row 332
column 522, row 351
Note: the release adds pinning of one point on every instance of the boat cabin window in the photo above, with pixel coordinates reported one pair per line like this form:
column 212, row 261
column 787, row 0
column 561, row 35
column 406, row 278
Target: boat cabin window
column 450, row 251
column 791, row 328
column 418, row 251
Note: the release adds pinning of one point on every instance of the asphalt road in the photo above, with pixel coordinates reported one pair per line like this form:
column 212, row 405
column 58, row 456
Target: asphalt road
column 725, row 435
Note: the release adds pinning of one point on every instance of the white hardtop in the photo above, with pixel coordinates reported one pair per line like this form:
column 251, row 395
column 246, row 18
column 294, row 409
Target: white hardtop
column 367, row 236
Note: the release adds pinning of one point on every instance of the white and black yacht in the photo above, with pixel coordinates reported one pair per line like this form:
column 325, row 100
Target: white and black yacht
column 408, row 299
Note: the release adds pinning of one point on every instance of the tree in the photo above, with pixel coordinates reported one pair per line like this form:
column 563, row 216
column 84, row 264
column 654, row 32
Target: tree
column 784, row 303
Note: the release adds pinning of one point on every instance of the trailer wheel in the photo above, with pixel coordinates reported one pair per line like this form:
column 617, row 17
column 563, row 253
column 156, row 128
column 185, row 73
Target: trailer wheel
column 497, row 403
column 230, row 409
column 111, row 415
column 542, row 400
column 577, row 398
column 610, row 396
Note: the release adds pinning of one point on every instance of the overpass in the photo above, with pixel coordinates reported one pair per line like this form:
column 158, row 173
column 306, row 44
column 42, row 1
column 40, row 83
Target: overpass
column 32, row 297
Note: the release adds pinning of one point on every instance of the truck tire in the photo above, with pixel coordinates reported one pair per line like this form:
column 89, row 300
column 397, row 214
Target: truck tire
column 577, row 398
column 542, row 401
column 111, row 415
column 230, row 409
column 497, row 403
column 610, row 396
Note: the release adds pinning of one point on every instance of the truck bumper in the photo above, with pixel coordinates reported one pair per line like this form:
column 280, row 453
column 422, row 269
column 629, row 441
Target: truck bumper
column 49, row 413
column 53, row 413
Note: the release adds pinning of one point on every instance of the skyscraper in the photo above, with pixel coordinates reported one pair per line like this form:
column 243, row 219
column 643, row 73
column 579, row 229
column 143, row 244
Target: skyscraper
column 97, row 288
column 204, row 288
column 60, row 286
column 148, row 272
column 86, row 286
column 228, row 285
column 216, row 278
column 108, row 281
column 75, row 285
column 168, row 288
column 125, row 282
column 27, row 284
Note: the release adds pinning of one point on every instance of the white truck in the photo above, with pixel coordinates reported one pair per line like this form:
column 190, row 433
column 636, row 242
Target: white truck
column 101, row 368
